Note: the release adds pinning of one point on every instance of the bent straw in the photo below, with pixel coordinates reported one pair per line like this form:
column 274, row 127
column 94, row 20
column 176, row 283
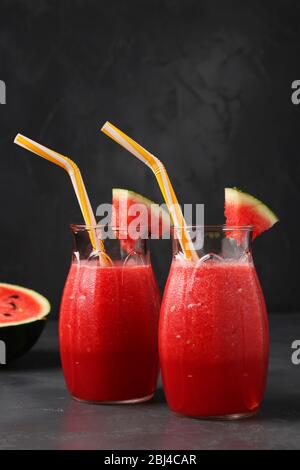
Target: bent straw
column 163, row 180
column 77, row 181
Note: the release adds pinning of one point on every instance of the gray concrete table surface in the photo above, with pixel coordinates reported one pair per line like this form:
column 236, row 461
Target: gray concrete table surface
column 36, row 411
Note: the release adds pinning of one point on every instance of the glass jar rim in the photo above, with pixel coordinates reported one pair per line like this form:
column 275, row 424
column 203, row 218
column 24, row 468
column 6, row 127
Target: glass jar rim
column 83, row 227
column 211, row 228
column 206, row 228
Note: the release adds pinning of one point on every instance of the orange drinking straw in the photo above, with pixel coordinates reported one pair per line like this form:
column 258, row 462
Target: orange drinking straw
column 164, row 183
column 77, row 181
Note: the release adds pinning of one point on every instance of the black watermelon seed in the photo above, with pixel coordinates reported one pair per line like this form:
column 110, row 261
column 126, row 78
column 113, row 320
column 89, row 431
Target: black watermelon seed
column 14, row 306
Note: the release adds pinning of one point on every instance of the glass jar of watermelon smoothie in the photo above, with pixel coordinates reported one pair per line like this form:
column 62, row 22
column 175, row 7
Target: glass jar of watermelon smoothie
column 109, row 321
column 213, row 335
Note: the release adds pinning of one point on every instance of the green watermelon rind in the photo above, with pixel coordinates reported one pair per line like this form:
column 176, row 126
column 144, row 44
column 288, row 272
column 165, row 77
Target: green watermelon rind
column 232, row 195
column 45, row 306
column 158, row 211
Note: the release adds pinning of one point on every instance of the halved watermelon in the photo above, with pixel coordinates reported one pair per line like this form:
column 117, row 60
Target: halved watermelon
column 155, row 219
column 243, row 209
column 22, row 319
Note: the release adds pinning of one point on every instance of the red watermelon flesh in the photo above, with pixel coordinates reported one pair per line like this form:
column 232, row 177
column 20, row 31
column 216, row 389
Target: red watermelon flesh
column 19, row 305
column 22, row 320
column 243, row 209
column 152, row 219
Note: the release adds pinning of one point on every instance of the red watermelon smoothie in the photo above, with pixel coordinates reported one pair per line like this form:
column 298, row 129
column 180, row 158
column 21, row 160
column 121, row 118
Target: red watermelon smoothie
column 108, row 332
column 214, row 339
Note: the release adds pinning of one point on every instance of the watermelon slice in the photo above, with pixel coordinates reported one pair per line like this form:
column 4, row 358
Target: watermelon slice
column 154, row 219
column 243, row 209
column 22, row 319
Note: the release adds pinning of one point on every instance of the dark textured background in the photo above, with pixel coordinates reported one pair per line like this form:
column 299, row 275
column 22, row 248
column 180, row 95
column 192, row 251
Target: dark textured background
column 205, row 85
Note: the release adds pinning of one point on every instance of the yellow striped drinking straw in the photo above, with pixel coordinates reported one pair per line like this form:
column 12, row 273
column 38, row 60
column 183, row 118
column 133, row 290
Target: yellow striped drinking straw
column 78, row 185
column 164, row 183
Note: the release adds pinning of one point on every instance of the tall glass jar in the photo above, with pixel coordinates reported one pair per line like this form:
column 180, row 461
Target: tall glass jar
column 213, row 335
column 109, row 321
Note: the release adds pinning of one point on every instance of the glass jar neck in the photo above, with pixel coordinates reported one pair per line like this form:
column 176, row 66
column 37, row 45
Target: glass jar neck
column 227, row 243
column 118, row 246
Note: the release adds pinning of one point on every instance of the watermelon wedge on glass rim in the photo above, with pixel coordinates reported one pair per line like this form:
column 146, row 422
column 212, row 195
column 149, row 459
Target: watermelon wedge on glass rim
column 22, row 319
column 149, row 218
column 244, row 209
